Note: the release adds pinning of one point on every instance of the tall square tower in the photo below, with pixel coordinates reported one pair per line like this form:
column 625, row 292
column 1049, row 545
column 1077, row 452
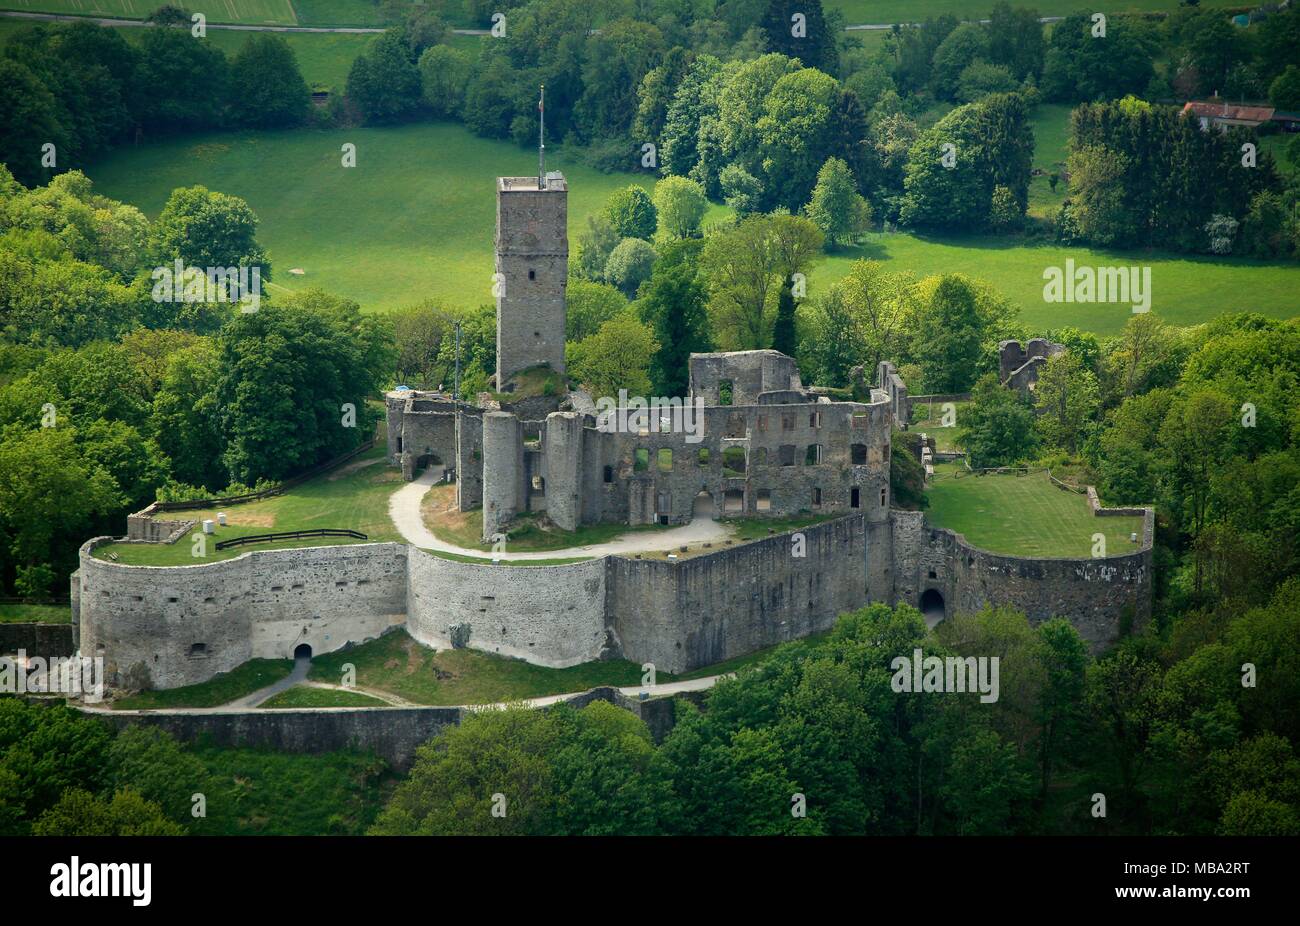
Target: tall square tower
column 533, row 262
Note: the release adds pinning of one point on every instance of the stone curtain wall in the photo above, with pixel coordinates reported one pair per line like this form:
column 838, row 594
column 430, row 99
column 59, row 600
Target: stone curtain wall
column 549, row 615
column 698, row 611
column 165, row 627
column 392, row 733
column 1095, row 595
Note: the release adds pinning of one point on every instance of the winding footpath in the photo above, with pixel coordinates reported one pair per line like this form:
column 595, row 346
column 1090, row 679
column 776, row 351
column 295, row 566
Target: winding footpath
column 404, row 510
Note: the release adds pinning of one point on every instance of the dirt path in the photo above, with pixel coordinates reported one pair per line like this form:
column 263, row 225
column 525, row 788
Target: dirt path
column 404, row 509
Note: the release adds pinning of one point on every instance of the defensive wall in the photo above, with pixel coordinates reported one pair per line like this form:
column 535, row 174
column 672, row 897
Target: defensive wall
column 392, row 733
column 164, row 627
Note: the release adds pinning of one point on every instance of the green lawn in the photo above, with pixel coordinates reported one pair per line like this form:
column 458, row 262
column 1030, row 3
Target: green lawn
column 945, row 438
column 300, row 696
column 35, row 614
column 396, row 663
column 1186, row 289
column 224, row 688
column 1051, row 125
column 324, row 58
column 356, row 500
column 1022, row 515
column 416, row 219
column 257, row 12
column 908, row 11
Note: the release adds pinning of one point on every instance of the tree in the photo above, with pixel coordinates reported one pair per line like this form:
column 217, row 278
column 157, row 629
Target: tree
column 997, row 429
column 674, row 303
column 589, row 305
column 384, row 82
column 681, row 206
column 186, row 418
column 63, row 303
column 954, row 167
column 741, row 190
column 266, row 87
column 745, row 266
column 616, row 357
column 964, row 46
column 694, row 99
column 286, row 373
column 187, row 80
column 814, row 44
column 952, row 322
column 30, row 117
column 204, row 229
column 152, row 764
column 632, row 213
column 1067, row 399
column 835, row 207
column 1284, row 92
column 784, row 337
column 980, row 78
column 616, row 61
column 798, row 132
column 595, row 244
column 655, row 94
column 80, row 813
column 444, row 74
column 1016, row 40
column 1079, row 68
column 630, row 264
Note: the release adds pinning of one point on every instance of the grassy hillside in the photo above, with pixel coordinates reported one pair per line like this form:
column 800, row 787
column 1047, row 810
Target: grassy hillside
column 909, row 11
column 415, row 218
column 260, row 12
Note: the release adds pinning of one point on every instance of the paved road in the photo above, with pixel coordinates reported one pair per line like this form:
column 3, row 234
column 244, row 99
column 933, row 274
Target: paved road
column 361, row 30
column 404, row 509
column 301, row 666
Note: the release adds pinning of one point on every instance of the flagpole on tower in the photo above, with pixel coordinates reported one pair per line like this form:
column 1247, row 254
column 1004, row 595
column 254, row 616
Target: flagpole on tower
column 541, row 139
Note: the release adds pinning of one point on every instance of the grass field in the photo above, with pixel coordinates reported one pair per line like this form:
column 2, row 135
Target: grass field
column 991, row 512
column 35, row 614
column 356, row 500
column 224, row 688
column 1051, row 124
column 250, row 12
column 945, row 438
column 398, row 664
column 324, row 58
column 300, row 696
column 416, row 219
column 908, row 11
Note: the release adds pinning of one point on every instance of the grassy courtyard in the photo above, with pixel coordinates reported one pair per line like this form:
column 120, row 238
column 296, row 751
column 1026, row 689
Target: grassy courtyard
column 397, row 664
column 35, row 614
column 354, row 496
column 224, row 688
column 927, row 418
column 1022, row 515
column 301, row 696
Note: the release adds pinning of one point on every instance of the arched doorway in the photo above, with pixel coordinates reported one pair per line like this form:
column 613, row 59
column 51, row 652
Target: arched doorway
column 932, row 607
column 704, row 506
column 302, row 651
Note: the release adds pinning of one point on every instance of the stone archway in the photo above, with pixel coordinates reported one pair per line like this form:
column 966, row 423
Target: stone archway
column 302, row 651
column 704, row 506
column 932, row 606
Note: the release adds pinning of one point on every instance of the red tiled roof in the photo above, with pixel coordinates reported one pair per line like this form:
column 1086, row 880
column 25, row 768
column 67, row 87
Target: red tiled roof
column 1217, row 110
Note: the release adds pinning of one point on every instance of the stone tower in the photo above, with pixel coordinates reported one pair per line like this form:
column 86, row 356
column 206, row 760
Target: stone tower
column 532, row 257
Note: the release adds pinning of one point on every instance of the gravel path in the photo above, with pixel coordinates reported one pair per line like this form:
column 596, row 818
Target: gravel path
column 404, row 509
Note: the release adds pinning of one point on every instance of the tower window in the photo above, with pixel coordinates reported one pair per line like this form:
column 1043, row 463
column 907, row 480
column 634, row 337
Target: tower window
column 532, row 274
